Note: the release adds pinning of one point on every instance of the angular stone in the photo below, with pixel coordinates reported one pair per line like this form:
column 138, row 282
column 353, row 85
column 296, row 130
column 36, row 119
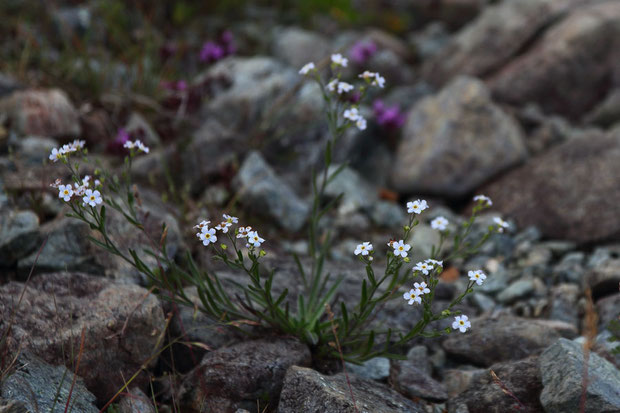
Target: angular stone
column 493, row 38
column 485, row 395
column 413, row 382
column 266, row 193
column 492, row 340
column 564, row 303
column 604, row 279
column 377, row 368
column 517, row 290
column 122, row 325
column 562, row 368
column 135, row 401
column 40, row 387
column 42, row 112
column 18, row 235
column 306, row 390
column 569, row 192
column 297, row 47
column 551, row 72
column 243, row 372
column 608, row 309
column 455, row 141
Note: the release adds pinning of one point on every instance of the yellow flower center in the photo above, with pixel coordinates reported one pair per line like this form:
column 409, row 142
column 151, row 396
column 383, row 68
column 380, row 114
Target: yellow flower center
column 462, row 322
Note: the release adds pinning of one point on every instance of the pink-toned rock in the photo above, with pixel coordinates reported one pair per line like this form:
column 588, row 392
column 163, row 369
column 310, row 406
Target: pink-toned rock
column 569, row 192
column 41, row 112
column 122, row 325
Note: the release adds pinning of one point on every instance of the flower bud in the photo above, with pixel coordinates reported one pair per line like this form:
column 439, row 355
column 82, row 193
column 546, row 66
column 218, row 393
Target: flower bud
column 406, row 259
column 223, row 246
column 407, row 227
column 262, row 253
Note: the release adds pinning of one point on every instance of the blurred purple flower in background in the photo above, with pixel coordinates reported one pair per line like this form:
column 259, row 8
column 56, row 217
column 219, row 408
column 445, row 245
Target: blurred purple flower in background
column 212, row 51
column 178, row 86
column 388, row 117
column 362, row 51
column 116, row 146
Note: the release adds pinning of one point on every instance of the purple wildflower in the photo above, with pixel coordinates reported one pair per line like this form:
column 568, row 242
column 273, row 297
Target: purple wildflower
column 362, row 51
column 211, row 52
column 388, row 117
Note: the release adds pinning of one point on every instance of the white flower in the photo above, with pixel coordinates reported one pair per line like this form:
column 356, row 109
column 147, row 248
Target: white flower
column 352, row 114
column 461, row 323
column 56, row 155
column 339, row 60
column 439, row 223
column 202, row 224
column 501, row 224
column 223, row 226
column 400, row 248
column 86, row 180
column 417, row 206
column 254, row 239
column 92, row 198
column 423, row 267
column 207, row 236
column 56, row 183
column 367, row 75
column 378, row 81
column 243, row 232
column 307, row 68
column 412, row 297
column 80, row 190
column 434, row 262
column 483, row 199
column 478, row 276
column 97, row 183
column 331, row 86
column 421, row 288
column 142, row 147
column 65, row 192
column 129, row 145
column 361, row 123
column 363, row 249
column 344, row 87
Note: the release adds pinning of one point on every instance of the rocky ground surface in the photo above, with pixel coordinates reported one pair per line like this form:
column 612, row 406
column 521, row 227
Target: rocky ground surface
column 516, row 99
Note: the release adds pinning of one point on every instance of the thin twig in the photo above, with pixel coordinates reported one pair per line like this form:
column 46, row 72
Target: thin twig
column 330, row 315
column 77, row 366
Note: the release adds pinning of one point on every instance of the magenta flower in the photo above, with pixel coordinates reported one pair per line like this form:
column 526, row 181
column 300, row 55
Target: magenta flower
column 362, row 51
column 211, row 52
column 116, row 145
column 388, row 117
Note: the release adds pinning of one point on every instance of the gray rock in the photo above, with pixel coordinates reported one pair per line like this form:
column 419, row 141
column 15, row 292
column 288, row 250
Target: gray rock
column 32, row 150
column 482, row 302
column 18, row 235
column 388, row 214
column 562, row 368
column 430, row 41
column 418, row 355
column 306, row 390
column 492, row 340
column 413, row 382
column 297, row 47
column 47, row 113
column 570, row 268
column 604, row 279
column 455, row 141
column 262, row 191
column 484, row 395
column 135, row 401
column 517, row 290
column 585, row 41
column 125, row 318
column 564, row 303
column 458, row 381
column 607, row 112
column 243, row 372
column 377, row 368
column 570, row 192
column 41, row 387
column 357, row 194
column 493, row 38
column 608, row 309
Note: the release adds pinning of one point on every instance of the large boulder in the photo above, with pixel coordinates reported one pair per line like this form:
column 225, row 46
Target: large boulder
column 297, row 46
column 306, row 390
column 41, row 112
column 493, row 38
column 562, row 370
column 571, row 67
column 122, row 324
column 18, row 235
column 570, row 192
column 455, row 141
column 493, row 340
column 240, row 374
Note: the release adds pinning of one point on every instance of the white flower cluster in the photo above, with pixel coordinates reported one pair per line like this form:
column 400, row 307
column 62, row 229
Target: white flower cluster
column 64, row 150
column 353, row 115
column 89, row 196
column 208, row 235
column 417, row 206
column 374, row 78
column 427, row 266
column 136, row 144
column 415, row 294
column 339, row 60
